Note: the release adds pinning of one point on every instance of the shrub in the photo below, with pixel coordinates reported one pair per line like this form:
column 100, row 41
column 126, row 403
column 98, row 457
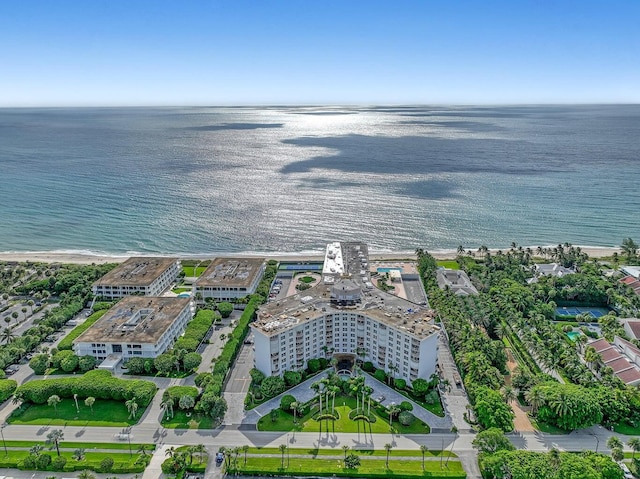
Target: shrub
column 177, row 392
column 7, row 388
column 99, row 384
column 43, row 461
column 406, row 418
column 257, row 376
column 292, row 378
column 323, row 363
column 58, row 463
column 29, row 462
column 313, row 365
column 135, row 366
column 368, row 367
column 195, row 331
column 106, row 464
column 431, row 397
column 39, row 363
column 203, row 379
column 380, row 375
column 60, row 356
column 286, row 402
column 420, row 387
column 405, row 406
column 69, row 364
column 225, row 309
column 272, row 386
column 400, row 383
column 352, row 461
column 165, row 363
column 86, row 363
column 191, row 361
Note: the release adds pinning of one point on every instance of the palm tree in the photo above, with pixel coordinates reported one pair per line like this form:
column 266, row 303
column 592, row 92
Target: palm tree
column 245, row 448
column 90, row 401
column 294, row 407
column 132, row 407
column 613, row 442
column 170, row 452
column 392, row 409
column 36, row 449
column 508, row 394
column 86, row 474
column 191, row 450
column 283, row 449
column 78, row 454
column 167, row 405
column 634, row 444
column 345, row 448
column 316, row 388
column 54, row 400
column 7, row 335
column 535, row 398
column 423, row 449
column 54, row 438
column 334, row 390
column 388, row 447
column 142, row 449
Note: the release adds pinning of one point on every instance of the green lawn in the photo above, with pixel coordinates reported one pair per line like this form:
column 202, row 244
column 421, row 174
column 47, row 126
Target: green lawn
column 181, row 421
column 434, row 408
column 624, row 428
column 342, row 424
column 450, row 264
column 192, row 271
column 548, row 428
column 360, row 452
column 181, row 290
column 368, row 468
column 105, row 413
column 86, row 445
column 123, row 462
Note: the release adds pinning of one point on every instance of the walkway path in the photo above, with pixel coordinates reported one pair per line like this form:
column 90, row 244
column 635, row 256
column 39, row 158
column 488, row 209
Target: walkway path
column 521, row 422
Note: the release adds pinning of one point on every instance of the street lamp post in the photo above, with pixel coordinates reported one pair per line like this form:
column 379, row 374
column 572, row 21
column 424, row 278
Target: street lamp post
column 4, row 443
column 288, row 447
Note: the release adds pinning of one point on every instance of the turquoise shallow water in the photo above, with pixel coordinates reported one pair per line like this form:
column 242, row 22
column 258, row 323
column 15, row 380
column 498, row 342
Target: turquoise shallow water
column 286, row 179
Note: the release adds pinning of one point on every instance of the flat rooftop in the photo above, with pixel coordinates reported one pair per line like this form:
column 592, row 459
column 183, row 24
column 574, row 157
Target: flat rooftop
column 315, row 302
column 136, row 272
column 135, row 319
column 233, row 272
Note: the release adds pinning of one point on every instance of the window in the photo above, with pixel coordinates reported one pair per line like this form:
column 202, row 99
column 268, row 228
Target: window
column 116, row 348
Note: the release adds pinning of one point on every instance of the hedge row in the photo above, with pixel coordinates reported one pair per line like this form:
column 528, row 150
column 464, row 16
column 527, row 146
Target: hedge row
column 99, row 384
column 231, row 348
column 7, row 388
column 176, row 392
column 123, row 463
column 195, row 331
column 343, row 473
column 67, row 342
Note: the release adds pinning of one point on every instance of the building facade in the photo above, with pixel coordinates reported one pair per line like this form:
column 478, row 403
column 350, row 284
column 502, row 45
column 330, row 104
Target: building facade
column 138, row 276
column 136, row 327
column 227, row 279
column 345, row 317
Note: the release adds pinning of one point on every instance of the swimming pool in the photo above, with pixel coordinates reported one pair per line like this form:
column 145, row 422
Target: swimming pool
column 573, row 335
column 387, row 270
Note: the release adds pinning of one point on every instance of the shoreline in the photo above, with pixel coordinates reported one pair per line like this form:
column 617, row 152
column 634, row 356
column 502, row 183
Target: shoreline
column 70, row 257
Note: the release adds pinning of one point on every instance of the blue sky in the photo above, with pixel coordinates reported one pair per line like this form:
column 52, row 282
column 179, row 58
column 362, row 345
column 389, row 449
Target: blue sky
column 157, row 52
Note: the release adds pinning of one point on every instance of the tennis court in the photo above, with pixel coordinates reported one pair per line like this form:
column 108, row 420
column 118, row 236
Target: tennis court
column 576, row 310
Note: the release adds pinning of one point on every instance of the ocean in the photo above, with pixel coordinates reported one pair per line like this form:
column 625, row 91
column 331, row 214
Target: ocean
column 282, row 179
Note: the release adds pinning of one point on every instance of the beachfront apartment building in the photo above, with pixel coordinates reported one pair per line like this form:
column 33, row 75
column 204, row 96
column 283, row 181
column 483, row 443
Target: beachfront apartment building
column 144, row 276
column 226, row 279
column 136, row 327
column 343, row 318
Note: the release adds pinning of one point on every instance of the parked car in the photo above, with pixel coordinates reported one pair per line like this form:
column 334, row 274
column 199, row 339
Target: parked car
column 219, row 458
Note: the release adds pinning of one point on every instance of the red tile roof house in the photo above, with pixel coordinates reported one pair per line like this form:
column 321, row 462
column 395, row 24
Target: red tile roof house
column 622, row 356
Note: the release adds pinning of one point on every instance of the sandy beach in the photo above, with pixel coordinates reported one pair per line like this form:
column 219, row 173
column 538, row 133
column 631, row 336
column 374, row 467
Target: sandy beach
column 86, row 258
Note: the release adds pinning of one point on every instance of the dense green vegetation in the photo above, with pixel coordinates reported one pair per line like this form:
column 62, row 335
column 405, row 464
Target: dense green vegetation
column 7, row 388
column 69, row 284
column 519, row 313
column 98, row 384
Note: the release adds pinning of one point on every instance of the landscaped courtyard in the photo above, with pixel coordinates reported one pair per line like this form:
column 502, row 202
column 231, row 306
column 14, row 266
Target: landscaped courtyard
column 340, row 421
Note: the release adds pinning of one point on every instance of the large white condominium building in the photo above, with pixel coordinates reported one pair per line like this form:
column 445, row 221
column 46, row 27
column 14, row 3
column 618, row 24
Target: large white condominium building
column 136, row 327
column 344, row 318
column 230, row 278
column 141, row 276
